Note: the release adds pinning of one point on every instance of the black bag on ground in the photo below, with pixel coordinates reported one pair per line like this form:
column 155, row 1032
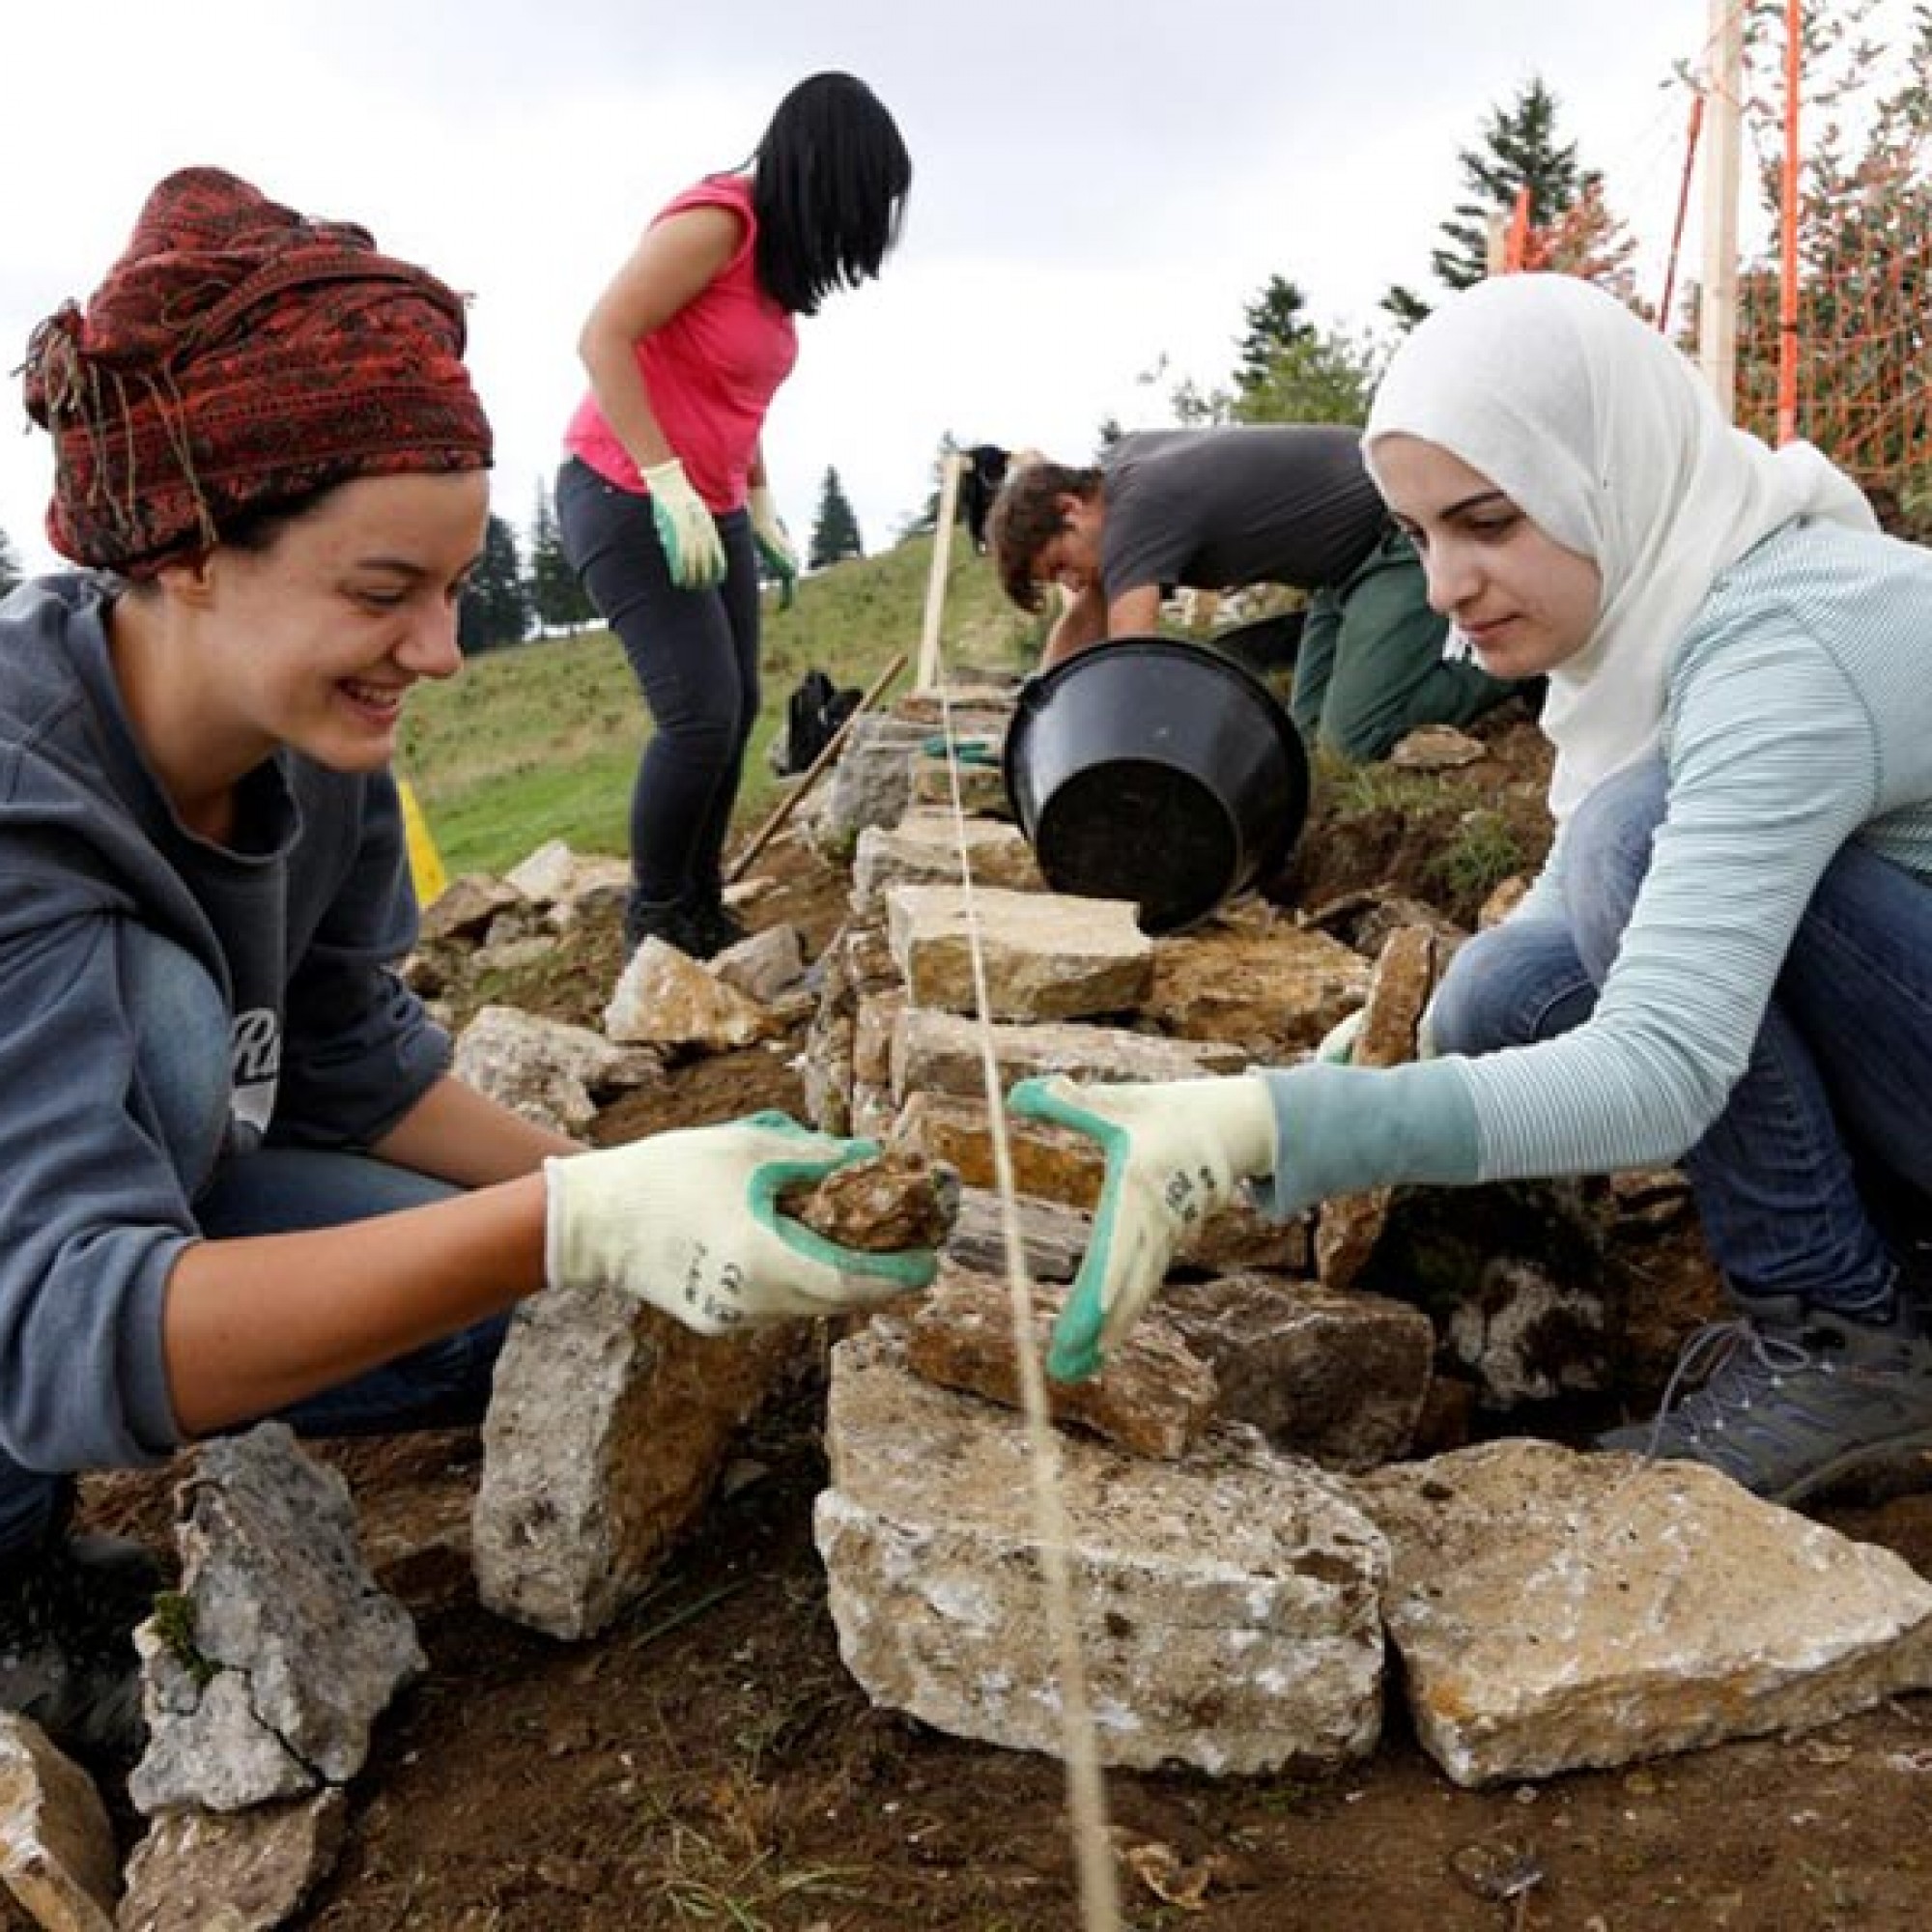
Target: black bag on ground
column 813, row 713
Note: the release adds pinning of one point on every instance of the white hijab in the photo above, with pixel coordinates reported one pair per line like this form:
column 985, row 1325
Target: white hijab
column 1606, row 438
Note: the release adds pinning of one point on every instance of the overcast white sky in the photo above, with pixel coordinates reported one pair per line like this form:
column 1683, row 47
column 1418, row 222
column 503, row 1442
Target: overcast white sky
column 1098, row 185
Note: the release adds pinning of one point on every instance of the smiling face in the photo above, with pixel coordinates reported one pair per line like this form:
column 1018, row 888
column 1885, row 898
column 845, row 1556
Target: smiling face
column 314, row 640
column 1526, row 602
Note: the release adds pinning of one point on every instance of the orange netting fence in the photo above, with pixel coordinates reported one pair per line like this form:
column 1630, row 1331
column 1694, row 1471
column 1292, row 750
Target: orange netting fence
column 1861, row 248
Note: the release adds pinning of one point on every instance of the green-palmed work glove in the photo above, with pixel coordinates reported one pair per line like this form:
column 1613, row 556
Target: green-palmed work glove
column 775, row 550
column 967, row 750
column 692, row 545
column 690, row 1222
column 1175, row 1151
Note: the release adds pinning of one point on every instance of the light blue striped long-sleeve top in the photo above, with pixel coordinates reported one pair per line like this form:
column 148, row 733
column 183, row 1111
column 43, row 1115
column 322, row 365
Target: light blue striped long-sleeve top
column 1798, row 715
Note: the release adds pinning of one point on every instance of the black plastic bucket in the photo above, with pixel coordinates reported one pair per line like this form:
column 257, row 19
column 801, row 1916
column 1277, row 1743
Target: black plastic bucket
column 1156, row 770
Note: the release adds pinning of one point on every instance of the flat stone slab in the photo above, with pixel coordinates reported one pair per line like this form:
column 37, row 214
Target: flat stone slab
column 1046, row 955
column 1275, row 986
column 1556, row 1609
column 935, row 1052
column 925, row 848
column 1228, row 1606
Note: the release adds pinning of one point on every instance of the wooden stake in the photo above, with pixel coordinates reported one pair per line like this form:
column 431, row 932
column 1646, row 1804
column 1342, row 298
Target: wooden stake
column 951, row 470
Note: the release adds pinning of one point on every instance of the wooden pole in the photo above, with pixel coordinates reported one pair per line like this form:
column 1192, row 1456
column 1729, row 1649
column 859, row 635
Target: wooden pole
column 833, row 746
column 1787, row 278
column 1718, row 307
column 927, row 678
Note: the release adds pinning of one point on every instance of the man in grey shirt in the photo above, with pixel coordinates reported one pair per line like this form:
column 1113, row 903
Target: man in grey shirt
column 1214, row 509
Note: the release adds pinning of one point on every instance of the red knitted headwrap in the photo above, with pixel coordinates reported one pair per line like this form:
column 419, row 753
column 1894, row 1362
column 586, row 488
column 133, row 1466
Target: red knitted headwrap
column 239, row 357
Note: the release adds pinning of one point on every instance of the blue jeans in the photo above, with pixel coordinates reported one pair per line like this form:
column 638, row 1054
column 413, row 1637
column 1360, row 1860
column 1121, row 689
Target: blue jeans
column 1807, row 1181
column 695, row 654
column 183, row 1084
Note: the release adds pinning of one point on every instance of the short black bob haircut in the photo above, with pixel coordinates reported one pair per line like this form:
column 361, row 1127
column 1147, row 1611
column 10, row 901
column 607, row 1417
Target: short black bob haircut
column 829, row 183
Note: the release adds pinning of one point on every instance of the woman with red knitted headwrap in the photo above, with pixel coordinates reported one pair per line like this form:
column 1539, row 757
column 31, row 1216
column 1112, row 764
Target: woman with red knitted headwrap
column 270, row 463
column 663, row 503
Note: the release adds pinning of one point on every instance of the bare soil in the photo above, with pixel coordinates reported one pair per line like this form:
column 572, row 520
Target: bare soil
column 708, row 1762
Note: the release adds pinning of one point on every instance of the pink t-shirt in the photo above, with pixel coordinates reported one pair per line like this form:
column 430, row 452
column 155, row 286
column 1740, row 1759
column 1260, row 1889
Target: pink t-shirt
column 711, row 370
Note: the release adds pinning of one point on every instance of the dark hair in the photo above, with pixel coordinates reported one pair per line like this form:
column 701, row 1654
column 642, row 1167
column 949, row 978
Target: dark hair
column 1027, row 517
column 829, row 183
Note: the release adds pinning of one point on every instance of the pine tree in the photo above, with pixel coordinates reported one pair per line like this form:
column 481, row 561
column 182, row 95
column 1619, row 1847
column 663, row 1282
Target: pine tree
column 11, row 572
column 496, row 608
column 834, row 531
column 559, row 600
column 1275, row 321
column 1520, row 149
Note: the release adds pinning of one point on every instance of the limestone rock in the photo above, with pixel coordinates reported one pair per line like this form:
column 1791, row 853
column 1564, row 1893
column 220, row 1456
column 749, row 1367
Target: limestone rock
column 1339, row 1378
column 607, row 1424
column 466, row 907
column 242, row 1871
column 1273, row 986
column 1155, row 1398
column 1053, row 1239
column 1050, row 1162
column 982, row 788
column 763, row 965
column 264, row 1673
column 1435, row 748
column 543, row 875
column 1227, row 1607
column 547, row 1071
column 879, row 1206
column 1348, row 1227
column 666, row 999
column 1047, row 955
column 57, row 1853
column 871, row 782
column 925, row 848
column 873, row 1027
column 1554, row 1610
column 940, row 1052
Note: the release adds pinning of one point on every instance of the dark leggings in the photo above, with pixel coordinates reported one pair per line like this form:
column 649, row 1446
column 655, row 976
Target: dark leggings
column 695, row 654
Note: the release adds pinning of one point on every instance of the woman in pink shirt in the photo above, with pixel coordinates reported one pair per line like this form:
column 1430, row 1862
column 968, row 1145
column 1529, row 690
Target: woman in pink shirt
column 663, row 501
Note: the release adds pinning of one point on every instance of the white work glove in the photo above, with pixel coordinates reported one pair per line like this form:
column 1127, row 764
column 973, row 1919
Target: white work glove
column 774, row 542
column 689, row 1221
column 1175, row 1151
column 692, row 545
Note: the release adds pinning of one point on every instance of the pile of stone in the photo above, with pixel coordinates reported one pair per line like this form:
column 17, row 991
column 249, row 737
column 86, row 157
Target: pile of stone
column 1253, row 1536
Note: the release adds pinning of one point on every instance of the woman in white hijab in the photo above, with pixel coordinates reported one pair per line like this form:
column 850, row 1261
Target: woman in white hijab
column 1727, row 961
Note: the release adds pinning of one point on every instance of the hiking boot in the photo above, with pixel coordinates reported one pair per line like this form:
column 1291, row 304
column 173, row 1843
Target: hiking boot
column 1792, row 1398
column 715, row 929
column 68, row 1613
column 668, row 920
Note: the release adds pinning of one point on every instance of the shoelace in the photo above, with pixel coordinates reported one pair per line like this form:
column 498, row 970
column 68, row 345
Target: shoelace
column 1708, row 1352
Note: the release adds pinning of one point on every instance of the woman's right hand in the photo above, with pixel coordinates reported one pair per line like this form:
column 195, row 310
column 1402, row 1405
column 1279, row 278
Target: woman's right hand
column 692, row 546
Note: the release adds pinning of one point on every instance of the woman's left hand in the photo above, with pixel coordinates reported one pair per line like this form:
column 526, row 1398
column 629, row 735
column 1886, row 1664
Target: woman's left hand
column 774, row 541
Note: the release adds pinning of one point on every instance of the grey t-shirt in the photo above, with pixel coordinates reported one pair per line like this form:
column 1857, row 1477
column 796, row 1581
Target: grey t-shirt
column 1217, row 508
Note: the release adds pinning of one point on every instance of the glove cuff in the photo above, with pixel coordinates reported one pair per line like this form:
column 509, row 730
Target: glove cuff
column 1245, row 1118
column 557, row 1270
column 667, row 479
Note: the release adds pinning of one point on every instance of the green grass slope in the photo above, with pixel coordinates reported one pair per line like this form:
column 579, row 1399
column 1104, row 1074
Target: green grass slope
column 541, row 740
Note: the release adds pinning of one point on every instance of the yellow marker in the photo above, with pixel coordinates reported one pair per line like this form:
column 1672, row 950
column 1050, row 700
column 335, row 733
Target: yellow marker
column 426, row 871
